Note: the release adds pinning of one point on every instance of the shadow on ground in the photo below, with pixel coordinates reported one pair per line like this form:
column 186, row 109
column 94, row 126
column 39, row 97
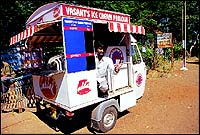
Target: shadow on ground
column 193, row 62
column 68, row 126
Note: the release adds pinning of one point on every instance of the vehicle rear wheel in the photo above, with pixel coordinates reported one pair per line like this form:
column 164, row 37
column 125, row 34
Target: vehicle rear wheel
column 38, row 106
column 108, row 119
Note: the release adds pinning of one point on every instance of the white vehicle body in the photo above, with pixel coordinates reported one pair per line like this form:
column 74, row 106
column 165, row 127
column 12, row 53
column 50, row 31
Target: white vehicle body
column 72, row 84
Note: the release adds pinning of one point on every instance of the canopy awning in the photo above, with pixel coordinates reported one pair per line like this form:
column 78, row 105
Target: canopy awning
column 29, row 32
column 50, row 33
column 126, row 28
column 53, row 12
column 23, row 35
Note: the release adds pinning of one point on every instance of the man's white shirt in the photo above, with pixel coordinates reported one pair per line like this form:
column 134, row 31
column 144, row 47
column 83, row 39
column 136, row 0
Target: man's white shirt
column 102, row 66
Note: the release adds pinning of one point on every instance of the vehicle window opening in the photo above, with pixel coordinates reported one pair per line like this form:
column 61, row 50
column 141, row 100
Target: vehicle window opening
column 135, row 55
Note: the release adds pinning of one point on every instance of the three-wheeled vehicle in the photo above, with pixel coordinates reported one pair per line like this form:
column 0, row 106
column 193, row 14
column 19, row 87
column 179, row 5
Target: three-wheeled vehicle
column 61, row 39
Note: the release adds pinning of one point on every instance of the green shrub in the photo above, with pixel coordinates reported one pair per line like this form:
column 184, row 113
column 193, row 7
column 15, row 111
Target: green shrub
column 147, row 56
column 178, row 51
column 156, row 61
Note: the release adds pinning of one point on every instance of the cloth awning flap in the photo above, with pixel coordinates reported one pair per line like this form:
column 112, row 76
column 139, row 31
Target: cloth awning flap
column 29, row 32
column 126, row 28
column 23, row 35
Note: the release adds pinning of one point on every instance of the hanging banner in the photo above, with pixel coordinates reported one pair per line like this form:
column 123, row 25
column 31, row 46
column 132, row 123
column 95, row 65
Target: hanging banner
column 94, row 14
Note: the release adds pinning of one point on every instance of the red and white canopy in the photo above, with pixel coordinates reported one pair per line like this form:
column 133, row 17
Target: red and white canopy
column 51, row 12
column 23, row 35
column 112, row 26
column 127, row 28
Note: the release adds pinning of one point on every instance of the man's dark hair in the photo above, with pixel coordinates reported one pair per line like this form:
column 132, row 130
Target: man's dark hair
column 98, row 44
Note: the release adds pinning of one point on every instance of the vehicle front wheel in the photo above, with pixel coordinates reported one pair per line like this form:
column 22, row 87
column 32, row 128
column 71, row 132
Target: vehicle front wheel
column 108, row 119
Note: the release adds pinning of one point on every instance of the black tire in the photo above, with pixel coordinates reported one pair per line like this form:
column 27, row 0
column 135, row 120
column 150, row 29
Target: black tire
column 108, row 119
column 38, row 106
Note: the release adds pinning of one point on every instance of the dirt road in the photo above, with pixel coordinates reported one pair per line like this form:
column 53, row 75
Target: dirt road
column 170, row 105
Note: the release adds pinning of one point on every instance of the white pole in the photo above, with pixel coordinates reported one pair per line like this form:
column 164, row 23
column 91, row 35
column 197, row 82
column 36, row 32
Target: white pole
column 184, row 35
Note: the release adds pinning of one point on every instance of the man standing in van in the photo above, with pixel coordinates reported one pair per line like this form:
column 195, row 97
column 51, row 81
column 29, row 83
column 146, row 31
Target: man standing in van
column 104, row 64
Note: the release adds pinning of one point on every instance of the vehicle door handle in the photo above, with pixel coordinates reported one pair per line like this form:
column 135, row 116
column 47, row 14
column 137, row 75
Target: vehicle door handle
column 136, row 71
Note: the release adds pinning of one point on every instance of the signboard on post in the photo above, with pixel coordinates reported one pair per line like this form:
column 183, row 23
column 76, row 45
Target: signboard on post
column 164, row 40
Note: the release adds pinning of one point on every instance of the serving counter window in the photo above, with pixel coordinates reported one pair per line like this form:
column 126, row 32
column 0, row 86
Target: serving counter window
column 47, row 58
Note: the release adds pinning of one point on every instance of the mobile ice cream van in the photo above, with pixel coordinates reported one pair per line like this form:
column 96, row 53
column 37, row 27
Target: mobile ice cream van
column 60, row 38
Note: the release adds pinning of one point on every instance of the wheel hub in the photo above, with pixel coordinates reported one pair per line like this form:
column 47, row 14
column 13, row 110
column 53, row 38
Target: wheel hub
column 108, row 120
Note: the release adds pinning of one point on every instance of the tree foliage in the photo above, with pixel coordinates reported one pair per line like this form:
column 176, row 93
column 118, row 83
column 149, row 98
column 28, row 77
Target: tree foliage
column 165, row 16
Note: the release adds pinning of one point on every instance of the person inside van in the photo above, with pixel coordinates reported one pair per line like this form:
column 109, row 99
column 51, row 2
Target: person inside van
column 6, row 70
column 104, row 64
column 7, row 73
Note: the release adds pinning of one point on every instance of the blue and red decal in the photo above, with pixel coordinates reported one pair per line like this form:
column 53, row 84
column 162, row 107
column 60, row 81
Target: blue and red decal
column 77, row 24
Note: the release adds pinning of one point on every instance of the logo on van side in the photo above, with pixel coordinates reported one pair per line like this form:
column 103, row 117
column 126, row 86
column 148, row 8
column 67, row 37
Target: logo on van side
column 139, row 80
column 83, row 87
column 115, row 54
column 48, row 87
column 56, row 12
